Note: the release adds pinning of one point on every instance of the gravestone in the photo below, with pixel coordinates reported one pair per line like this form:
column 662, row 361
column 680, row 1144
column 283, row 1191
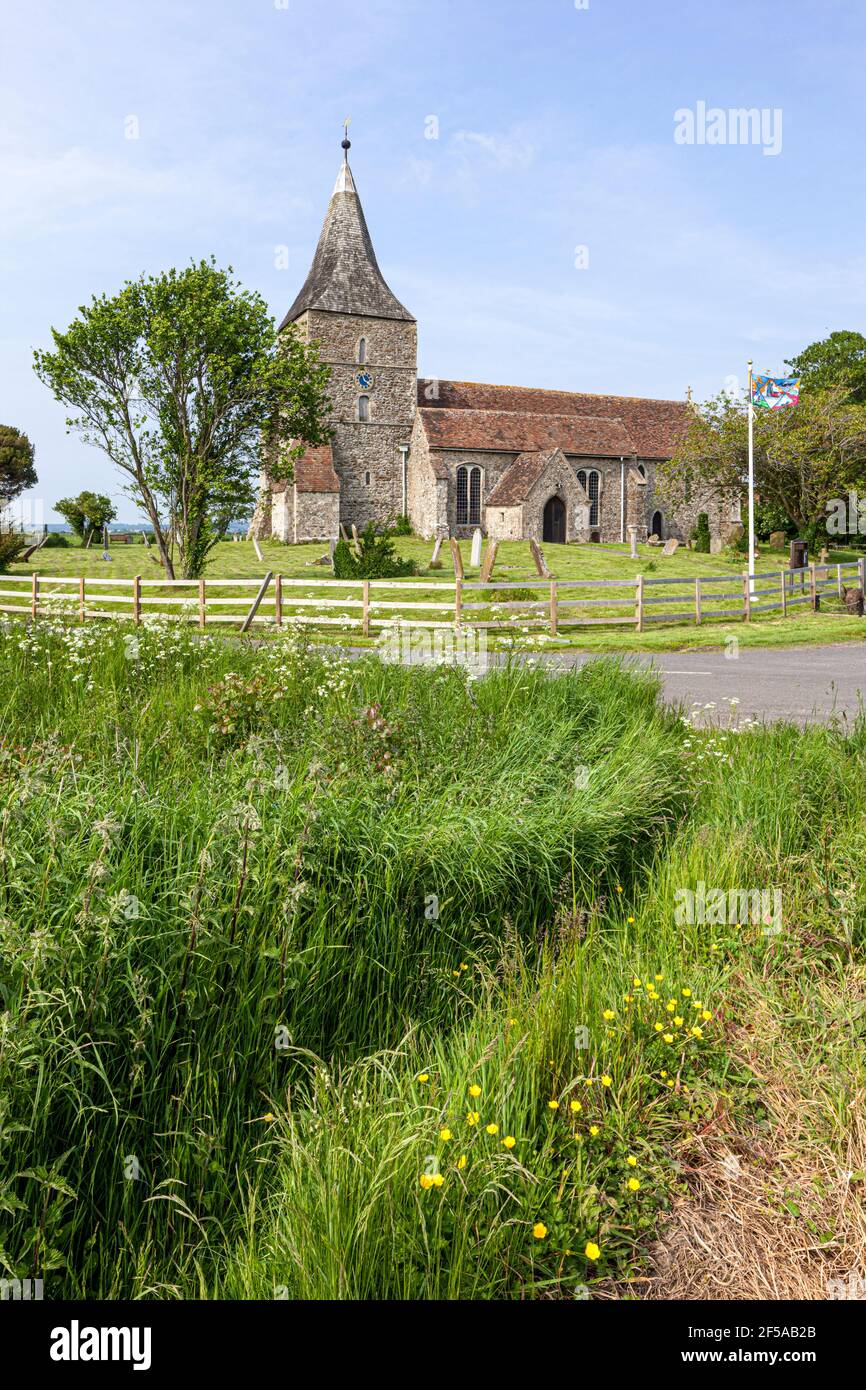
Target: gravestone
column 670, row 547
column 356, row 542
column 457, row 558
column 717, row 545
column 258, row 549
column 489, row 561
column 344, row 533
column 435, row 562
column 538, row 556
column 736, row 533
column 653, row 539
column 632, row 540
column 778, row 540
column 475, row 556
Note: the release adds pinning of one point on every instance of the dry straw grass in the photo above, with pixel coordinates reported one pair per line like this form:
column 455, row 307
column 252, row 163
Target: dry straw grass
column 778, row 1212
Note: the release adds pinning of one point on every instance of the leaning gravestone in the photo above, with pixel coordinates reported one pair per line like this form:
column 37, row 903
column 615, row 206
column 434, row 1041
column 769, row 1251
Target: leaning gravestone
column 457, row 558
column 717, row 545
column 475, row 556
column 489, row 561
column 670, row 547
column 540, row 565
column 435, row 562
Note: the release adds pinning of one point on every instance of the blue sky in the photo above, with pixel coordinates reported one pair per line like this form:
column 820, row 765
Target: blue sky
column 555, row 131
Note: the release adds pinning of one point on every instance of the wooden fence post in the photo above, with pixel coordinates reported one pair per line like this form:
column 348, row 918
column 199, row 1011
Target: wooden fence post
column 698, row 614
column 278, row 600
column 839, row 580
column 458, row 602
column 747, row 598
column 553, row 608
column 861, row 572
column 784, row 590
column 365, row 611
column 813, row 591
column 82, row 611
column 638, row 609
column 136, row 600
column 34, row 599
column 202, row 604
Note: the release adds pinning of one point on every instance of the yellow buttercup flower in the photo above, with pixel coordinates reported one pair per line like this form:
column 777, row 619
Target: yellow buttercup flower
column 509, row 1141
column 635, row 981
column 608, row 1014
column 553, row 1105
column 424, row 1076
column 658, row 1027
column 492, row 1129
column 631, row 1161
column 426, row 1181
column 669, row 1037
column 659, row 977
column 473, row 1117
column 445, row 1135
column 671, row 1005
column 706, row 1015
column 438, row 1180
column 607, row 1081
column 269, row 1117
column 539, row 1230
column 630, row 920
column 687, row 993
column 594, row 1130
column 678, row 1021
column 697, row 1032
column 474, row 1090
column 576, row 1106
column 618, row 888
column 633, row 1185
column 461, row 1162
column 592, row 1252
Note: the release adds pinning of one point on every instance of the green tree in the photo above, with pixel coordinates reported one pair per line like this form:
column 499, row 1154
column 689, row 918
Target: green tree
column 17, row 460
column 837, row 361
column 805, row 456
column 181, row 380
column 86, row 513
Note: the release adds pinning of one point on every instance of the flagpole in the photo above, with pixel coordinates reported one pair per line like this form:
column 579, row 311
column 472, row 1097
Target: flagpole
column 751, row 486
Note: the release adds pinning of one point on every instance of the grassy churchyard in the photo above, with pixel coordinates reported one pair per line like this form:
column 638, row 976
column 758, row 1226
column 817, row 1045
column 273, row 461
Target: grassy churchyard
column 514, row 567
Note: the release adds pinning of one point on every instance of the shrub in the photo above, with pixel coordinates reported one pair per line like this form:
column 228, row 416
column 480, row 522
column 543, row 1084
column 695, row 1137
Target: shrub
column 11, row 545
column 377, row 559
column 701, row 534
column 402, row 526
column 55, row 540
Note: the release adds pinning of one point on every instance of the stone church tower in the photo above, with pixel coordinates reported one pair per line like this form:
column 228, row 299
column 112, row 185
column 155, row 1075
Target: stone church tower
column 369, row 340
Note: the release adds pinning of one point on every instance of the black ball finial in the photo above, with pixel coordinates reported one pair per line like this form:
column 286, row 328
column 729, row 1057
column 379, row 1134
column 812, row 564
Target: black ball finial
column 346, row 144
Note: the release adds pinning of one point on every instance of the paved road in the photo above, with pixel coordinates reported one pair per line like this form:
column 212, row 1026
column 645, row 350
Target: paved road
column 796, row 683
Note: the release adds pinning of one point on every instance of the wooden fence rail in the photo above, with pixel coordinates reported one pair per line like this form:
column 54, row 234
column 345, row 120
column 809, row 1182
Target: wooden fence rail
column 366, row 605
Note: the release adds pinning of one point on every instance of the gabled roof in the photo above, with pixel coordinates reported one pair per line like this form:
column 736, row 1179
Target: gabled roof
column 518, row 432
column 520, row 477
column 653, row 426
column 345, row 277
column 314, row 472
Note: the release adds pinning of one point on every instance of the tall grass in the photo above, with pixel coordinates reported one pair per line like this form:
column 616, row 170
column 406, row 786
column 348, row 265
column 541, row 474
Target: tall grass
column 249, row 896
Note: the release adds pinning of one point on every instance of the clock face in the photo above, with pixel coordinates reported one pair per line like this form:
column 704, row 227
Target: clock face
column 364, row 380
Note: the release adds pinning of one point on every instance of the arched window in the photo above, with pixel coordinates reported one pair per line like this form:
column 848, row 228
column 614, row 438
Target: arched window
column 462, row 496
column 641, row 470
column 591, row 484
column 363, row 409
column 362, row 351
column 475, row 496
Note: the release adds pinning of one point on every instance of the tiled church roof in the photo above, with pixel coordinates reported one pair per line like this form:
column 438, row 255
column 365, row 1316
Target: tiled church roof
column 314, row 472
column 654, row 427
column 513, row 431
column 517, row 480
column 345, row 277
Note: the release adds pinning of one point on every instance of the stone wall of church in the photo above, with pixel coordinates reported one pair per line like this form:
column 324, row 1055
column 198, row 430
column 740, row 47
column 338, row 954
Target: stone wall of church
column 316, row 516
column 367, row 455
column 427, row 491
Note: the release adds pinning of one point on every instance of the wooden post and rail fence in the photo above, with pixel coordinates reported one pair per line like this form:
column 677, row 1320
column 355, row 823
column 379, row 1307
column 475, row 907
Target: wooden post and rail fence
column 365, row 605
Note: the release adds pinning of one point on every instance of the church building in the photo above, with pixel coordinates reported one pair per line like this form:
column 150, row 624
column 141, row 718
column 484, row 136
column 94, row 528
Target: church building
column 516, row 462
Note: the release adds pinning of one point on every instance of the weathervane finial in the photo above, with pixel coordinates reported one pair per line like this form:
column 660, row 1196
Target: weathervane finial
column 347, row 144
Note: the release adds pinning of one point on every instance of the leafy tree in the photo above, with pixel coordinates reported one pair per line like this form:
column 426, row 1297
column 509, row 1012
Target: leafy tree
column 181, row 380
column 86, row 513
column 805, row 456
column 701, row 534
column 17, row 470
column 837, row 361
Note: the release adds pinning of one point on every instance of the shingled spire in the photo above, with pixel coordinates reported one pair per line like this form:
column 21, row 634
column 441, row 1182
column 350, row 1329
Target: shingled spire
column 345, row 277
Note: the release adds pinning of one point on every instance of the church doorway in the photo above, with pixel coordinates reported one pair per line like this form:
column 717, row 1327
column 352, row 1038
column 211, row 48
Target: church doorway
column 554, row 522
column 657, row 528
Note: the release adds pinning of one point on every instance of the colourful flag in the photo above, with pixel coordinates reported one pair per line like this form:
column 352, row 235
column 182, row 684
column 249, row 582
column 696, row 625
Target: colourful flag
column 773, row 392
